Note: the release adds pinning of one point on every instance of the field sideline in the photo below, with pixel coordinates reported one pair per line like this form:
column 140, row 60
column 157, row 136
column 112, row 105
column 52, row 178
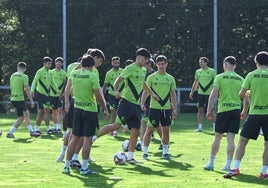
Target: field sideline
column 31, row 162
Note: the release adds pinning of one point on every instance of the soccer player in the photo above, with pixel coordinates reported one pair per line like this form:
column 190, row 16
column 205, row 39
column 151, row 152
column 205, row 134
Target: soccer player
column 42, row 83
column 129, row 106
column 60, row 77
column 19, row 83
column 149, row 70
column 256, row 81
column 203, row 80
column 86, row 112
column 226, row 87
column 109, row 80
column 160, row 112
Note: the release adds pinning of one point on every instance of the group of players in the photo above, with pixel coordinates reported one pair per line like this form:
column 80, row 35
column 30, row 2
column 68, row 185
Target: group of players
column 128, row 94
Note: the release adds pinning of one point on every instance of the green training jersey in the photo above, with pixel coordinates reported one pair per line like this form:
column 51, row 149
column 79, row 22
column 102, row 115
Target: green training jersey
column 229, row 84
column 43, row 81
column 205, row 78
column 84, row 82
column 134, row 77
column 96, row 72
column 18, row 81
column 257, row 82
column 60, row 78
column 161, row 85
column 110, row 78
column 71, row 67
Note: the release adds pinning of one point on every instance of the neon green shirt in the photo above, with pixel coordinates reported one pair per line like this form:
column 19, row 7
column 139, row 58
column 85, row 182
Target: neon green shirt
column 205, row 78
column 18, row 81
column 229, row 84
column 84, row 83
column 71, row 67
column 42, row 82
column 257, row 82
column 134, row 77
column 110, row 78
column 161, row 84
column 60, row 78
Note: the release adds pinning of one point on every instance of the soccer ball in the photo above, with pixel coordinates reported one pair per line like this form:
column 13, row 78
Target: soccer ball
column 125, row 145
column 120, row 158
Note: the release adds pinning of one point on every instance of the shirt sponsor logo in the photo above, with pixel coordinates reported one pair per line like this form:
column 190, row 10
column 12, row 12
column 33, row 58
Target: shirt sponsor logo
column 83, row 104
column 259, row 107
column 229, row 105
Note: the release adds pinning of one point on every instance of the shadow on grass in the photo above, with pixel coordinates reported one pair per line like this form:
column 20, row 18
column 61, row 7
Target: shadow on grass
column 246, row 178
column 96, row 180
column 24, row 140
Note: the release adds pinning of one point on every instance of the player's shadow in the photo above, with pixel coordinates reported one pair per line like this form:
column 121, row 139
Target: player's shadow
column 247, row 178
column 96, row 180
column 24, row 140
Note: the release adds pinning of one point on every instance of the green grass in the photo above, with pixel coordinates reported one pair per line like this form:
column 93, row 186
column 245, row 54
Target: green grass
column 31, row 162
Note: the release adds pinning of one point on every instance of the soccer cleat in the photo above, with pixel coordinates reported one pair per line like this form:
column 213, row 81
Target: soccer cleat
column 209, row 167
column 145, row 156
column 50, row 131
column 10, row 135
column 231, row 173
column 38, row 132
column 75, row 163
column 198, row 130
column 166, row 156
column 87, row 172
column 133, row 161
column 94, row 138
column 138, row 147
column 60, row 159
column 57, row 131
column 66, row 170
column 263, row 176
column 35, row 134
column 160, row 147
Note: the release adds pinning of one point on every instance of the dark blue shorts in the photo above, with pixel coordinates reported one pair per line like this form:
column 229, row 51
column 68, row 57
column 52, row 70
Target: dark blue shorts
column 228, row 122
column 55, row 102
column 159, row 117
column 203, row 101
column 20, row 107
column 113, row 102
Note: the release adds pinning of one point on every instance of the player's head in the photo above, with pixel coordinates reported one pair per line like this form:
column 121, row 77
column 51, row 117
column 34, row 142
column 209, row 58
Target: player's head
column 150, row 63
column 87, row 61
column 58, row 62
column 21, row 66
column 115, row 62
column 98, row 56
column 47, row 61
column 128, row 62
column 261, row 58
column 203, row 62
column 161, row 62
column 142, row 56
column 229, row 63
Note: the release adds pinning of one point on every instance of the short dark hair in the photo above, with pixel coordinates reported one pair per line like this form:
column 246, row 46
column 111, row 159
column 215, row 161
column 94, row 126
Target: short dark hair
column 128, row 62
column 230, row 59
column 22, row 65
column 143, row 52
column 115, row 58
column 59, row 59
column 161, row 58
column 97, row 53
column 204, row 59
column 87, row 61
column 151, row 62
column 261, row 58
column 47, row 59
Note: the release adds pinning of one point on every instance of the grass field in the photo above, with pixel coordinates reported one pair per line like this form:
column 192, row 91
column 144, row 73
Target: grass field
column 31, row 162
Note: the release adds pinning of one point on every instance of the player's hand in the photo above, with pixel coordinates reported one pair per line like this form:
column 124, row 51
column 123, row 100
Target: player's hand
column 210, row 115
column 174, row 114
column 32, row 103
column 143, row 108
column 105, row 114
column 191, row 96
column 117, row 94
column 67, row 106
column 243, row 115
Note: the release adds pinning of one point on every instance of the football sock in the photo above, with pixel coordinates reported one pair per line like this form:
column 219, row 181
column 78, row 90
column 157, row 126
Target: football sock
column 199, row 125
column 75, row 157
column 67, row 164
column 237, row 164
column 130, row 155
column 228, row 163
column 145, row 149
column 30, row 128
column 264, row 169
column 211, row 160
column 165, row 149
column 84, row 164
column 37, row 128
column 63, row 149
column 48, row 127
column 12, row 130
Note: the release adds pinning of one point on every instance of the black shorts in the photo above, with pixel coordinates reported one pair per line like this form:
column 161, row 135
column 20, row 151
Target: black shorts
column 43, row 100
column 252, row 125
column 159, row 117
column 68, row 117
column 228, row 121
column 129, row 114
column 202, row 101
column 55, row 102
column 85, row 123
column 113, row 102
column 20, row 107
